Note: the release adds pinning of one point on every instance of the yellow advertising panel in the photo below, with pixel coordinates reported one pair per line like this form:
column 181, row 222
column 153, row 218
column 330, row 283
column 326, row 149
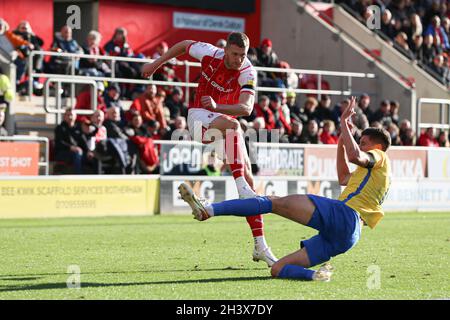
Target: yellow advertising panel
column 78, row 197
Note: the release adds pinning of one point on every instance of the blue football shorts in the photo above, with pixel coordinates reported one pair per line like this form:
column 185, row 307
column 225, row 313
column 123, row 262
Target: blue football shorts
column 339, row 229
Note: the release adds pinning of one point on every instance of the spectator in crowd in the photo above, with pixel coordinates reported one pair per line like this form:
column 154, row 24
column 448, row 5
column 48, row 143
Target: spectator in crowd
column 429, row 50
column 409, row 138
column 24, row 31
column 364, row 105
column 94, row 67
column 167, row 71
column 323, row 110
column 376, row 124
column 6, row 92
column 387, row 24
column 176, row 104
column 111, row 98
column 179, row 130
column 446, row 26
column 443, row 139
column 296, row 135
column 436, row 30
column 291, row 100
column 338, row 109
column 118, row 46
column 309, row 109
column 212, row 165
column 259, row 124
column 361, row 122
column 416, row 47
column 63, row 42
column 404, row 125
column 3, row 131
column 394, row 110
column 16, row 46
column 149, row 106
column 284, row 107
column 67, row 145
column 280, row 120
column 113, row 124
column 84, row 100
column 428, row 138
column 312, row 134
column 267, row 58
column 440, row 68
column 383, row 114
column 148, row 154
column 153, row 129
column 394, row 133
column 97, row 119
column 87, row 143
column 118, row 145
column 263, row 110
column 286, row 79
column 328, row 135
column 415, row 28
column 401, row 43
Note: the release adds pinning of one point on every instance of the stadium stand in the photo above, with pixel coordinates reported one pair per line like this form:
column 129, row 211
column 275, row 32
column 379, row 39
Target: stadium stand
column 136, row 115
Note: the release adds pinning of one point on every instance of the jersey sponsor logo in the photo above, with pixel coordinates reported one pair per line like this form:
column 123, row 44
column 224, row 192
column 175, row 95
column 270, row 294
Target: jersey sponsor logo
column 216, row 85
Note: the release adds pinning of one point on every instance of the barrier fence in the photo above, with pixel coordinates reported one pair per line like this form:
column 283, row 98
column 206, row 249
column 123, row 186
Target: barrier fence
column 421, row 182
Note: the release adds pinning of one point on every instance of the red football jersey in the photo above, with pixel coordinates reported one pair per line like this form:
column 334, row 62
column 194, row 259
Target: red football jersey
column 222, row 84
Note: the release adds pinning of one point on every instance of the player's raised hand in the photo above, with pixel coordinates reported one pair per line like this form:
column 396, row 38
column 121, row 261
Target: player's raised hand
column 208, row 102
column 349, row 111
column 148, row 69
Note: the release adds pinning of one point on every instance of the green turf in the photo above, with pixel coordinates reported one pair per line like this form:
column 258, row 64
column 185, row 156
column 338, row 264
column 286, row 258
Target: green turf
column 175, row 257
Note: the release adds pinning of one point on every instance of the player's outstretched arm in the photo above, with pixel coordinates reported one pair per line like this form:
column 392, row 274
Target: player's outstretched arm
column 243, row 108
column 177, row 50
column 343, row 171
column 354, row 153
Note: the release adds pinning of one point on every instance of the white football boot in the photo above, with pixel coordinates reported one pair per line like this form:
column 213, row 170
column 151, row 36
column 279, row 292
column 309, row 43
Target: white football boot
column 323, row 273
column 259, row 254
column 197, row 205
column 265, row 255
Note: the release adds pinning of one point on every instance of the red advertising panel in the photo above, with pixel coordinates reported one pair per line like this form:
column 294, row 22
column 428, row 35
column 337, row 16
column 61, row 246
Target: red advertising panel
column 410, row 163
column 19, row 159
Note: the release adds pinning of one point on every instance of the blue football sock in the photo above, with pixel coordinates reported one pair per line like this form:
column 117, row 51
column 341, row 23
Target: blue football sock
column 291, row 271
column 243, row 207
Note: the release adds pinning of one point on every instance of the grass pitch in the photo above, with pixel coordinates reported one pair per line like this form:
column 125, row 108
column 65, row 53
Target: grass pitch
column 176, row 257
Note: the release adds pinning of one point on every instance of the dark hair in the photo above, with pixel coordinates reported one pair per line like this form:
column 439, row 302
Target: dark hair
column 378, row 135
column 239, row 39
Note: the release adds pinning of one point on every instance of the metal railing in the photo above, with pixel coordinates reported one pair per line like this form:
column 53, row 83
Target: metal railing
column 443, row 104
column 58, row 110
column 187, row 84
column 44, row 140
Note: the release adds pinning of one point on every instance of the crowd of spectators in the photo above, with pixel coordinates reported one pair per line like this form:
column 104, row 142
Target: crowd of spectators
column 116, row 139
column 420, row 29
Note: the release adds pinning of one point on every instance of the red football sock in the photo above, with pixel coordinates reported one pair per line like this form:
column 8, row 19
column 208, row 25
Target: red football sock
column 234, row 148
column 256, row 223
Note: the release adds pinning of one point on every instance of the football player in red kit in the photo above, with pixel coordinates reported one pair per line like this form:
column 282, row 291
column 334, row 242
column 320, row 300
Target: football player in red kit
column 226, row 89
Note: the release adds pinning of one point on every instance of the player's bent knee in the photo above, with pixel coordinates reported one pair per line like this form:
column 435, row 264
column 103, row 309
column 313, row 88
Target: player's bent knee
column 276, row 269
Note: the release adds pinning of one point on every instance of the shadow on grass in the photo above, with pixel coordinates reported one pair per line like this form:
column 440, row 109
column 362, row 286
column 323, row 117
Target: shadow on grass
column 47, row 286
column 40, row 275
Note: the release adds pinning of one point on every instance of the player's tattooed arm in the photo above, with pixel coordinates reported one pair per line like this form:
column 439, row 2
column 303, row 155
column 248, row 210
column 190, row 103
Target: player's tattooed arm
column 243, row 108
column 178, row 49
